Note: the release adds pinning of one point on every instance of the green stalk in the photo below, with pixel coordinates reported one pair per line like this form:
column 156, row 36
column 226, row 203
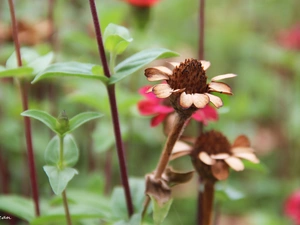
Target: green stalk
column 64, row 194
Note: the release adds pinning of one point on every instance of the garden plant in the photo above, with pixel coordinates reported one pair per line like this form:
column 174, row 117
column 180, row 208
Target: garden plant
column 139, row 112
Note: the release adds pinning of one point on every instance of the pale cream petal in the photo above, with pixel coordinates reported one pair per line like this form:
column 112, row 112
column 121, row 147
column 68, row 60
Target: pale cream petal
column 247, row 155
column 220, row 170
column 186, row 100
column 174, row 64
column 242, row 150
column 180, row 149
column 220, row 156
column 241, row 141
column 200, row 100
column 162, row 90
column 235, row 163
column 220, row 87
column 158, row 73
column 157, row 77
column 205, row 64
column 223, row 76
column 204, row 157
column 215, row 100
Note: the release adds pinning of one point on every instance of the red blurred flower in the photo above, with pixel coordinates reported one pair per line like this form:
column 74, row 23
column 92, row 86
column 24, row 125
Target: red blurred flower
column 160, row 109
column 291, row 38
column 292, row 207
column 142, row 3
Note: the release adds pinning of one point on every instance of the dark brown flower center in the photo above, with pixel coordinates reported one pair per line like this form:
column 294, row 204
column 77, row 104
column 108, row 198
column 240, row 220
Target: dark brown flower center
column 189, row 75
column 212, row 142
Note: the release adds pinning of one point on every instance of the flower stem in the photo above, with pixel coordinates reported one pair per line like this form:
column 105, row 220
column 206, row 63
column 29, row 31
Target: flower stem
column 174, row 135
column 27, row 125
column 114, row 111
column 67, row 212
column 206, row 200
column 167, row 151
column 60, row 165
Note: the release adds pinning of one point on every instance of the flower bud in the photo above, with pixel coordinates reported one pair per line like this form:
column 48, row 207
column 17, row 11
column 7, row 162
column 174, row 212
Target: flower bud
column 62, row 122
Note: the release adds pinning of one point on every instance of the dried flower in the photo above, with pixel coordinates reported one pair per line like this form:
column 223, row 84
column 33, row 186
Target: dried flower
column 160, row 109
column 292, row 207
column 186, row 85
column 212, row 154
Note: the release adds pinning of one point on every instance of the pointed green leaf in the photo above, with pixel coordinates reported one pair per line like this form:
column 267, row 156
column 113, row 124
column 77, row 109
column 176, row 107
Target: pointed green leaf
column 27, row 55
column 116, row 38
column 82, row 118
column 41, row 62
column 42, row 116
column 59, row 179
column 160, row 212
column 18, row 206
column 17, row 72
column 71, row 69
column 138, row 61
column 71, row 152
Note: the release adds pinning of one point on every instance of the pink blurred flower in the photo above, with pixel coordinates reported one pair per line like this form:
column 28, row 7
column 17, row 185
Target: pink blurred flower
column 142, row 3
column 160, row 109
column 292, row 207
column 291, row 38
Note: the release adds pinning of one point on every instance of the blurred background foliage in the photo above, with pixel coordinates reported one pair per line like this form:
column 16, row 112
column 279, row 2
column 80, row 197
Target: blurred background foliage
column 243, row 37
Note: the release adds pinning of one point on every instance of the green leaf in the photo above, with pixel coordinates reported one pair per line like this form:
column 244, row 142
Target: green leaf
column 116, row 38
column 71, row 152
column 136, row 219
column 18, row 206
column 41, row 62
column 71, row 69
column 82, row 118
column 137, row 61
column 118, row 204
column 16, row 72
column 160, row 212
column 27, row 55
column 42, row 116
column 59, row 179
column 56, row 215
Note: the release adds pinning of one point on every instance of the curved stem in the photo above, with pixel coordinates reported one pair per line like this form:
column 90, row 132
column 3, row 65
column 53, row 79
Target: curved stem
column 27, row 124
column 166, row 152
column 114, row 111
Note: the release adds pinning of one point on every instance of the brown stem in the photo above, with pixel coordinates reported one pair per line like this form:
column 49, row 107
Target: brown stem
column 114, row 111
column 27, row 125
column 66, row 207
column 206, row 197
column 167, row 151
column 174, row 135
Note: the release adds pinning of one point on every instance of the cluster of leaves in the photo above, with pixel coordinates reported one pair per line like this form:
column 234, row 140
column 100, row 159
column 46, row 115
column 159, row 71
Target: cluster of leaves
column 62, row 153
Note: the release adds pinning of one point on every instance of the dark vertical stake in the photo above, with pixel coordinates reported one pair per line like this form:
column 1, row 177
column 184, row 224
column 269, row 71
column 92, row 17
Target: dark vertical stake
column 114, row 111
column 200, row 127
column 27, row 125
